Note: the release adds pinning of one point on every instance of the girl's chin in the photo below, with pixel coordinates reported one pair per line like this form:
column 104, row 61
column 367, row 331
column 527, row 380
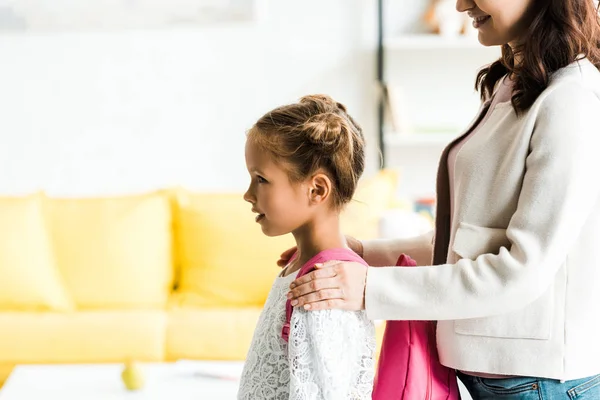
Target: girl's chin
column 270, row 232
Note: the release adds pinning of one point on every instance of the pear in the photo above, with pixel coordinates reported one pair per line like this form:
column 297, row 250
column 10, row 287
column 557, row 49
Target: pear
column 132, row 376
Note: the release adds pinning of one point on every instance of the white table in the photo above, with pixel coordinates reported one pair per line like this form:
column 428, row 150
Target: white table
column 181, row 380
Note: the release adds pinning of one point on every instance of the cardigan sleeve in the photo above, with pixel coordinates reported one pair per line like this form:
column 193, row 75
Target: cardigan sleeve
column 560, row 188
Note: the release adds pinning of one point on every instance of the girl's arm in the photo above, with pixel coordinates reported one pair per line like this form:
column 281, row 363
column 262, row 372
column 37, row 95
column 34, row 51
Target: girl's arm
column 331, row 355
column 385, row 252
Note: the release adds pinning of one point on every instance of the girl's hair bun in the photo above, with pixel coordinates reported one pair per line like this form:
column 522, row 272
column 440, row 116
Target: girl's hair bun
column 325, row 129
column 329, row 127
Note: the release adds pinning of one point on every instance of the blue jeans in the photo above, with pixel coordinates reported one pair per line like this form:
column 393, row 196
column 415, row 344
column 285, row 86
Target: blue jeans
column 525, row 388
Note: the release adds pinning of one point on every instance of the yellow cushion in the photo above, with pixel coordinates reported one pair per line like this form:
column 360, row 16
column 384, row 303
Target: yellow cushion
column 29, row 279
column 82, row 337
column 374, row 195
column 226, row 261
column 5, row 370
column 211, row 333
column 114, row 252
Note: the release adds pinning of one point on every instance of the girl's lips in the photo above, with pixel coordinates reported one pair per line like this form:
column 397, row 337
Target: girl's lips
column 479, row 21
column 259, row 217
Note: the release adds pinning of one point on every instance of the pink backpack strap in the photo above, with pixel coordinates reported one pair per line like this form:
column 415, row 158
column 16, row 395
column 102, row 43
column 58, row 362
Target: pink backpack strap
column 285, row 331
column 341, row 255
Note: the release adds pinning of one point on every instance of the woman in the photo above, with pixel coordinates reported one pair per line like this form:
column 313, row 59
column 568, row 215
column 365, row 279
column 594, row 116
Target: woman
column 516, row 282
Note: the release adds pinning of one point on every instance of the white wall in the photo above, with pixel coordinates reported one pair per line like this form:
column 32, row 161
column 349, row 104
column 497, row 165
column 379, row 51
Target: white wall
column 118, row 112
column 105, row 113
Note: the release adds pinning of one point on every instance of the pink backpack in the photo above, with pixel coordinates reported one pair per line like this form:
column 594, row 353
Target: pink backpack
column 409, row 367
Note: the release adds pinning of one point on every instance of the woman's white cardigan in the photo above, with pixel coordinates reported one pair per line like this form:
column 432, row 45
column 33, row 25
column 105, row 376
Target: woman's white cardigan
column 516, row 286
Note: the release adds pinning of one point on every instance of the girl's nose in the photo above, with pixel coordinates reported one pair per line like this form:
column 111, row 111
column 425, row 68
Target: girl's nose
column 249, row 197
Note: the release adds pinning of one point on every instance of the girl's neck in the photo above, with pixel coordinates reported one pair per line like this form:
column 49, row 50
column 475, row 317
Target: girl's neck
column 323, row 233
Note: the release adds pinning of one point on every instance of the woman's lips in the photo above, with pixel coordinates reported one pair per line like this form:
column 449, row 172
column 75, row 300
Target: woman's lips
column 479, row 21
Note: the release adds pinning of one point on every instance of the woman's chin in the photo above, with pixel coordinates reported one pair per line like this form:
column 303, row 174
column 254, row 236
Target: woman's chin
column 488, row 41
column 485, row 41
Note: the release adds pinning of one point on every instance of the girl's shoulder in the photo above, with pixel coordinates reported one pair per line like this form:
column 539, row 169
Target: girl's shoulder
column 339, row 254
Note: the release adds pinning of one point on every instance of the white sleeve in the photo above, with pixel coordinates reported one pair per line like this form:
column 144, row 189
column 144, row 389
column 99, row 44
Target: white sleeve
column 557, row 196
column 331, row 355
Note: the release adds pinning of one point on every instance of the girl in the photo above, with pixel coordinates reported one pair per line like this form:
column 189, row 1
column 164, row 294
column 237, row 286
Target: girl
column 517, row 222
column 304, row 161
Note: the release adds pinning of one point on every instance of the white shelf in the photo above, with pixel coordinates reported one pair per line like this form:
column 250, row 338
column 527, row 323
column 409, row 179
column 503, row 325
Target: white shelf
column 432, row 42
column 419, row 139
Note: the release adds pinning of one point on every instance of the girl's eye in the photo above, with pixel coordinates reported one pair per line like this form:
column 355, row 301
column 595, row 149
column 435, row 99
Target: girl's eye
column 261, row 179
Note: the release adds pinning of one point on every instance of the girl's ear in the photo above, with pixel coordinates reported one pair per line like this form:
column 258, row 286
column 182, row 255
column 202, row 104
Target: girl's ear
column 320, row 188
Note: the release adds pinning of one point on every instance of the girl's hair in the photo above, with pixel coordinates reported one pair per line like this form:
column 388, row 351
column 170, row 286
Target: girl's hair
column 314, row 133
column 560, row 32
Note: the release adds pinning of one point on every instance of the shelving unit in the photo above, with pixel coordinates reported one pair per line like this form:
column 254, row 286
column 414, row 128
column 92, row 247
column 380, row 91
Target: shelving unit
column 381, row 83
column 448, row 68
column 418, row 139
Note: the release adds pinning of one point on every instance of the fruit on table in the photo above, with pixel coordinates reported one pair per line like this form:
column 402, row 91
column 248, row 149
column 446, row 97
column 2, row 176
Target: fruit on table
column 132, row 376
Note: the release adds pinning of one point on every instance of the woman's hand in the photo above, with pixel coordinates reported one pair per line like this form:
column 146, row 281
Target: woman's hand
column 335, row 284
column 285, row 257
column 354, row 244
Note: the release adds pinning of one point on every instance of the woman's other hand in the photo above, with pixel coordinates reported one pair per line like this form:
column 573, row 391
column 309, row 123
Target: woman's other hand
column 285, row 257
column 333, row 285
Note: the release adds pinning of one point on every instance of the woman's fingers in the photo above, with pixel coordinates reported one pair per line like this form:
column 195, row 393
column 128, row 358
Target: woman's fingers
column 340, row 285
column 284, row 258
column 316, row 285
column 320, row 295
column 323, row 271
column 282, row 262
column 289, row 252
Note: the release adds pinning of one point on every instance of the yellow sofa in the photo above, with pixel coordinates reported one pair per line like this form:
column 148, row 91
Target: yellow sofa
column 159, row 276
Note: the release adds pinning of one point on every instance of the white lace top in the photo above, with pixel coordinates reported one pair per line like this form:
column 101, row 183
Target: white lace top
column 329, row 355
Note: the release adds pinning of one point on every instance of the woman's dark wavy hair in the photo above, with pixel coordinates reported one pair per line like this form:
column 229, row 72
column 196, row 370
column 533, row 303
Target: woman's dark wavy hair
column 560, row 32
